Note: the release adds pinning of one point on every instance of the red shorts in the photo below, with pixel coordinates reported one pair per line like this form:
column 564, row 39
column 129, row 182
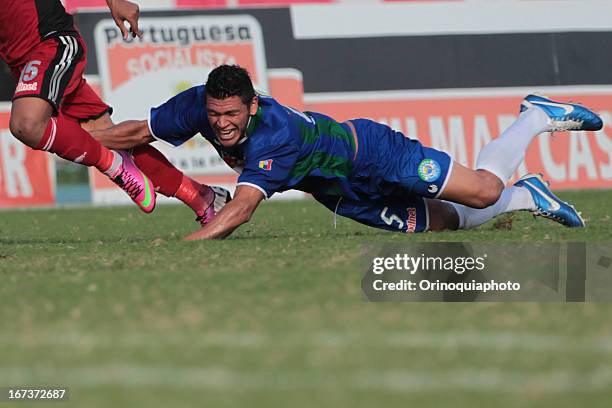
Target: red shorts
column 54, row 72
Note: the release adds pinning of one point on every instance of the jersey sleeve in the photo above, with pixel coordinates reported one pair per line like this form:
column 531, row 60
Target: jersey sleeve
column 268, row 167
column 180, row 118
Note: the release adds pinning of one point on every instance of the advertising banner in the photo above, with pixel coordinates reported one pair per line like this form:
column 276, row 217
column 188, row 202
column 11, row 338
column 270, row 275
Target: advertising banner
column 27, row 177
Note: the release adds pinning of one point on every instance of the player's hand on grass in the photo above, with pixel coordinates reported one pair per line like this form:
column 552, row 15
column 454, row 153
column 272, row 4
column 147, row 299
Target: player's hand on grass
column 122, row 11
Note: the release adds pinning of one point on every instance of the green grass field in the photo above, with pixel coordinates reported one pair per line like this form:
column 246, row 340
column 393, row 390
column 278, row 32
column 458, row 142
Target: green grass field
column 112, row 304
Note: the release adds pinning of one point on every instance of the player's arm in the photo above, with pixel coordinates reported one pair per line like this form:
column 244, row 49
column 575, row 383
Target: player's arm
column 271, row 162
column 124, row 135
column 122, row 11
column 174, row 122
column 234, row 214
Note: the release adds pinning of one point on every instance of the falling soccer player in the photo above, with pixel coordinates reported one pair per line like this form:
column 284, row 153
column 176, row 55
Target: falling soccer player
column 359, row 169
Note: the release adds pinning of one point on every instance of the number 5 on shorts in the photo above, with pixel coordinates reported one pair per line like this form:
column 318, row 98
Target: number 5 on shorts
column 389, row 219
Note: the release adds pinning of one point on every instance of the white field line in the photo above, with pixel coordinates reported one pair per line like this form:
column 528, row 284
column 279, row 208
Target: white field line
column 485, row 341
column 402, row 381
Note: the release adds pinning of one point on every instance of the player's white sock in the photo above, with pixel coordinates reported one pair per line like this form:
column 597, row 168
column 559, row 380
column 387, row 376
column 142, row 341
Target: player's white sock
column 113, row 170
column 503, row 155
column 511, row 199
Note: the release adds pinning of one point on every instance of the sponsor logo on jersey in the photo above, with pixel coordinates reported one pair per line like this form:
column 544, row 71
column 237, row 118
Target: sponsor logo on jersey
column 432, row 188
column 80, row 158
column 412, row 220
column 429, row 170
column 21, row 87
column 265, row 164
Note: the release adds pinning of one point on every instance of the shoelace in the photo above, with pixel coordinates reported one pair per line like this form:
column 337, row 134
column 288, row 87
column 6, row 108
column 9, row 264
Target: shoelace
column 129, row 184
column 550, row 216
column 568, row 125
column 203, row 219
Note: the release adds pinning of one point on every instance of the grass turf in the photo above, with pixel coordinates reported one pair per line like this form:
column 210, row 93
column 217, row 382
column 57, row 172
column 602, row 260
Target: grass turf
column 112, row 304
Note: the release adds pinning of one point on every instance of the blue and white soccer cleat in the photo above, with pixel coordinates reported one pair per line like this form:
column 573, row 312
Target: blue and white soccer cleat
column 549, row 205
column 564, row 116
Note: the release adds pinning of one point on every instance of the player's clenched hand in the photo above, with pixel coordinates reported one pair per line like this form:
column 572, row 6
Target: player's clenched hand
column 122, row 11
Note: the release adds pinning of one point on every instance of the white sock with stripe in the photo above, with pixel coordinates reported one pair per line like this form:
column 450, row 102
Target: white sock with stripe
column 114, row 168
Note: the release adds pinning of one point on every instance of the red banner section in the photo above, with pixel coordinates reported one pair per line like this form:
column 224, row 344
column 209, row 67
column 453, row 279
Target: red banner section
column 72, row 5
column 128, row 62
column 26, row 175
column 461, row 125
column 245, row 3
column 287, row 87
column 81, row 4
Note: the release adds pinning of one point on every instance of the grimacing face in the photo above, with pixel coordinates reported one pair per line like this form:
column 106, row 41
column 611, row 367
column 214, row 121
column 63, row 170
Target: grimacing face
column 229, row 118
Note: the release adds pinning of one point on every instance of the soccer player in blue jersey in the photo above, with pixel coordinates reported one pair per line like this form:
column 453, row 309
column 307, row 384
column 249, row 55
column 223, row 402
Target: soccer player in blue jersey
column 359, row 169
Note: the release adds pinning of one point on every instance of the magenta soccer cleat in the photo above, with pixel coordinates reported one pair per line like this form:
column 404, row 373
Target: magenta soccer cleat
column 216, row 197
column 131, row 180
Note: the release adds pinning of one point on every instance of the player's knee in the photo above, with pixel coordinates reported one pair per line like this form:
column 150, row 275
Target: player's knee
column 487, row 198
column 487, row 194
column 27, row 129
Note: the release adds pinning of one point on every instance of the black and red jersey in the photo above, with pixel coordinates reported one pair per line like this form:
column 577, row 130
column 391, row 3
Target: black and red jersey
column 25, row 23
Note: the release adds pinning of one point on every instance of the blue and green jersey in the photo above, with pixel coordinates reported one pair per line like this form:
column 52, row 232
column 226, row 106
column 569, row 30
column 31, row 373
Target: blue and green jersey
column 284, row 148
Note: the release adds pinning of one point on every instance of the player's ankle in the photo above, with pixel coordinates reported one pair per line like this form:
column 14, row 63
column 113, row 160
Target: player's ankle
column 109, row 163
column 195, row 195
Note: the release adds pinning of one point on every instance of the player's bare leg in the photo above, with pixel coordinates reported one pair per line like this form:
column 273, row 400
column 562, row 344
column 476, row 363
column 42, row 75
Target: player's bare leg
column 103, row 122
column 205, row 201
column 29, row 119
column 33, row 124
column 442, row 216
column 474, row 188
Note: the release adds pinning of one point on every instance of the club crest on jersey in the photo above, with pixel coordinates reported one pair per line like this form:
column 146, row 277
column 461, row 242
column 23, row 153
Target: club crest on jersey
column 429, row 170
column 265, row 164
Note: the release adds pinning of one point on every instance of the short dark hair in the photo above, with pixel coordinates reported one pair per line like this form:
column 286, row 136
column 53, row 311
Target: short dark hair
column 226, row 81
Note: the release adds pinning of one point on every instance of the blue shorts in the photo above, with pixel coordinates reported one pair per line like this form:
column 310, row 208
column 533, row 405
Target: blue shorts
column 388, row 164
column 391, row 177
column 393, row 214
